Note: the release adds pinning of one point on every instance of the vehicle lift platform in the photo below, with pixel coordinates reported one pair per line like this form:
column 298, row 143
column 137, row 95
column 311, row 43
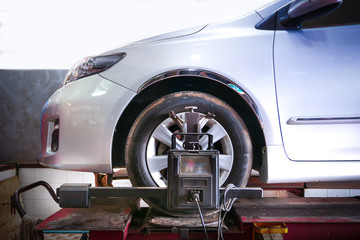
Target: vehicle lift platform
column 266, row 218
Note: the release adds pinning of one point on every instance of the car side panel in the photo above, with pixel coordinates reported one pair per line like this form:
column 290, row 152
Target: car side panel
column 277, row 168
column 317, row 77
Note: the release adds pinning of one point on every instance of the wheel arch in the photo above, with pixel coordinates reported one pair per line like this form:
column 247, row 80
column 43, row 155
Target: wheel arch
column 190, row 80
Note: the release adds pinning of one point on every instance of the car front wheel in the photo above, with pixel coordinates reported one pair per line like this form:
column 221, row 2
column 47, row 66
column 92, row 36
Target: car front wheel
column 149, row 140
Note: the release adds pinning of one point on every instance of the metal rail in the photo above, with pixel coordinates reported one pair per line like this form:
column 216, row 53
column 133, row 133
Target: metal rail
column 79, row 195
column 158, row 192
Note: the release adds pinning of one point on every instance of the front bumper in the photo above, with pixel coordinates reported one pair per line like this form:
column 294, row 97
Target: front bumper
column 78, row 123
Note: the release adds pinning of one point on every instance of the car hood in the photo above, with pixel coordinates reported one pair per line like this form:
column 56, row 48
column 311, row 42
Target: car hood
column 171, row 35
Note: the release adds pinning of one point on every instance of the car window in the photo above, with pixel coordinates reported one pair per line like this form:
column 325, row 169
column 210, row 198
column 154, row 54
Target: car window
column 346, row 14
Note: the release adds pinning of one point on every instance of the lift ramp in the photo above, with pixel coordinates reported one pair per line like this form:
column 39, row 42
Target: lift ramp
column 305, row 218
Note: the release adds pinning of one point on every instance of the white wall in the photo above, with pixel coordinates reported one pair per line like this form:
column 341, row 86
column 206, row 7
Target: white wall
column 54, row 34
column 38, row 202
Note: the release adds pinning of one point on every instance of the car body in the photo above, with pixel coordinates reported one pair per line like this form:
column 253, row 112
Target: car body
column 296, row 88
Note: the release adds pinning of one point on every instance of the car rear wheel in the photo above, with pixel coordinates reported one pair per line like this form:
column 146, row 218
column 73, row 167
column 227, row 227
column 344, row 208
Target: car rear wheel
column 149, row 140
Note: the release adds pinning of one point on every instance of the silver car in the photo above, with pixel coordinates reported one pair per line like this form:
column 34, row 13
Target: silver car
column 281, row 85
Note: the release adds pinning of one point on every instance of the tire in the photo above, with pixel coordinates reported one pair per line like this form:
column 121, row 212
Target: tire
column 149, row 139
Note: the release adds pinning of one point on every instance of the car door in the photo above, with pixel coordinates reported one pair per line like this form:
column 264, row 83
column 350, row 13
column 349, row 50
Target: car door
column 317, row 74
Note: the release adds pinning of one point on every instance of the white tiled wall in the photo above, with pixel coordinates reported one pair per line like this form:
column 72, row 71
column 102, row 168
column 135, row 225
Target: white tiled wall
column 7, row 174
column 38, row 202
column 314, row 192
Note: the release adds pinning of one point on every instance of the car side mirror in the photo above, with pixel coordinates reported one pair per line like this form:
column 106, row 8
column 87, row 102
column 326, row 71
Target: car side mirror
column 303, row 10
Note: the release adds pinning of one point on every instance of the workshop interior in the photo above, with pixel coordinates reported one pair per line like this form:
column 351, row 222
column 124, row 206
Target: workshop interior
column 180, row 119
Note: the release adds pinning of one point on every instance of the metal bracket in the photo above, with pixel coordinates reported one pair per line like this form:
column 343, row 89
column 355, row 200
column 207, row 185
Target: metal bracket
column 79, row 195
column 74, row 195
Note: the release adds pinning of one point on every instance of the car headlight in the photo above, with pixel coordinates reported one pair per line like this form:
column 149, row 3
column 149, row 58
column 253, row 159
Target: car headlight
column 92, row 65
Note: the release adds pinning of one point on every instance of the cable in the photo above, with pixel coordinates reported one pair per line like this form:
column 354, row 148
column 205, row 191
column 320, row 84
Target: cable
column 226, row 206
column 219, row 232
column 196, row 197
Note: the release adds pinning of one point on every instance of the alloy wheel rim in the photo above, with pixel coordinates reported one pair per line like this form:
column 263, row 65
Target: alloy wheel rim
column 160, row 142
